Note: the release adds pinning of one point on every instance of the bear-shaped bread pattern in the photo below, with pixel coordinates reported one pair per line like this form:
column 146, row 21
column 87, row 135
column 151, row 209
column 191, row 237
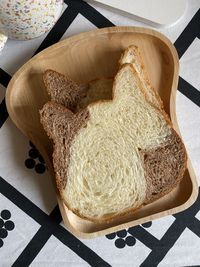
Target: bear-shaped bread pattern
column 114, row 156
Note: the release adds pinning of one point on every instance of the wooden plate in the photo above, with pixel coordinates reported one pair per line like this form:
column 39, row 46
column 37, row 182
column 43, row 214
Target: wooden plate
column 85, row 57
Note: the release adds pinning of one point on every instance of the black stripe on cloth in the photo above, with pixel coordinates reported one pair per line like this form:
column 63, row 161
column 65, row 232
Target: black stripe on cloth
column 194, row 226
column 189, row 91
column 188, row 217
column 4, row 78
column 89, row 13
column 59, row 29
column 55, row 215
column 189, row 213
column 165, row 244
column 82, row 251
column 188, row 35
column 38, row 241
column 33, row 248
column 144, row 236
column 49, row 226
column 184, row 219
column 23, row 202
column 3, row 112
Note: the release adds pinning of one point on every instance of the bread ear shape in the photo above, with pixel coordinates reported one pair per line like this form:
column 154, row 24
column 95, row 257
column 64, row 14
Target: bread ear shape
column 101, row 89
column 62, row 89
column 132, row 56
column 76, row 97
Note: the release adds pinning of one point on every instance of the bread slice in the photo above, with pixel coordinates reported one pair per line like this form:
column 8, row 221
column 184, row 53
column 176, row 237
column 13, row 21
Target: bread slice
column 76, row 97
column 114, row 156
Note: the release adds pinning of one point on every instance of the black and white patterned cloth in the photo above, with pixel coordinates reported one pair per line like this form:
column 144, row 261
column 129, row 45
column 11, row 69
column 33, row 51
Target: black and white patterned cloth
column 31, row 229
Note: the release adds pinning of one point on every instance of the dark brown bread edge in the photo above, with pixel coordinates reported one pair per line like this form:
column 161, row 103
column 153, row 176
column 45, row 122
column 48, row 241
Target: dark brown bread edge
column 163, row 166
column 63, row 90
column 61, row 126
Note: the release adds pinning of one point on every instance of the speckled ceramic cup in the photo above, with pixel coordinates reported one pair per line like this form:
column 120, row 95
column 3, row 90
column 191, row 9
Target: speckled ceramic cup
column 27, row 19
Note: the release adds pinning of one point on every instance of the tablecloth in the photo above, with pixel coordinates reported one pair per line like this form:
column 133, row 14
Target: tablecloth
column 31, row 228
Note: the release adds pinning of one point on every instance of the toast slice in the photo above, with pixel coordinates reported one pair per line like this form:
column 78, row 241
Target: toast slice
column 114, row 156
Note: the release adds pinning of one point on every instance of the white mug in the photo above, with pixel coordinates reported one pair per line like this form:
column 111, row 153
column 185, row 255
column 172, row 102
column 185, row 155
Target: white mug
column 27, row 19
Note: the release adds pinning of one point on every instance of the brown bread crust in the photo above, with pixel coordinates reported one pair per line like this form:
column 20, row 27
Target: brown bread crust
column 62, row 125
column 63, row 90
column 163, row 166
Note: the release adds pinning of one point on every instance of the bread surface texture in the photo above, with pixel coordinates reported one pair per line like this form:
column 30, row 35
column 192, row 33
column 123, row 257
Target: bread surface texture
column 113, row 156
column 99, row 89
column 76, row 97
column 62, row 89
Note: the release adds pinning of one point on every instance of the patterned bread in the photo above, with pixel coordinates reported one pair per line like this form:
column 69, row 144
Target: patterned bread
column 112, row 156
column 76, row 97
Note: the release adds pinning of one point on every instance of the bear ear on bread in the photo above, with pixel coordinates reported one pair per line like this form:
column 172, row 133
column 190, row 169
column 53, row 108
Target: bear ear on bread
column 132, row 56
column 62, row 89
column 115, row 156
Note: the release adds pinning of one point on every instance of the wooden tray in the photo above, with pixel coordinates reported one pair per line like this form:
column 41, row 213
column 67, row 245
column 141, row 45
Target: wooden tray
column 85, row 57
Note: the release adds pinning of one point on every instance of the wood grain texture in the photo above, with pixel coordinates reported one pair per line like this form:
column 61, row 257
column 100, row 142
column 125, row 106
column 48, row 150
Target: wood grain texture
column 85, row 57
